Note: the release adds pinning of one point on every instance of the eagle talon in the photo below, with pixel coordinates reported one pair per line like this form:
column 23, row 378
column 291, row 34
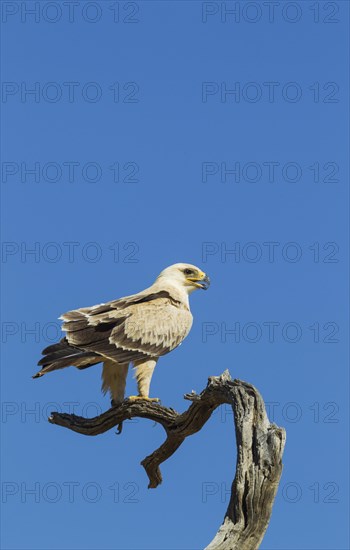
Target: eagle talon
column 141, row 397
column 119, row 428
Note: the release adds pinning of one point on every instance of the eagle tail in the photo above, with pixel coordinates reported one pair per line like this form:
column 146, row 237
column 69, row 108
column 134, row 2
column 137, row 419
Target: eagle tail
column 63, row 354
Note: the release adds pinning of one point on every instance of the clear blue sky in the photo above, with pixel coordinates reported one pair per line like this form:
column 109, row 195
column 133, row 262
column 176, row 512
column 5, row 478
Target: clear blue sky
column 160, row 133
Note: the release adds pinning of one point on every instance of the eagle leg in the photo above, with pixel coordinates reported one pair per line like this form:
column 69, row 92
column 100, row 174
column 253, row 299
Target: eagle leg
column 114, row 380
column 143, row 374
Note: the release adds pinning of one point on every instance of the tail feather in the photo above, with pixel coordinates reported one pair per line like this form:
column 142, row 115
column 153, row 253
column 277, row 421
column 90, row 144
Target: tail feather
column 62, row 344
column 61, row 355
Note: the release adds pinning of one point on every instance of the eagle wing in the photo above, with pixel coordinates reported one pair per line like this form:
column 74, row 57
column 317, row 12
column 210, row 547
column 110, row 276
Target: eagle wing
column 131, row 329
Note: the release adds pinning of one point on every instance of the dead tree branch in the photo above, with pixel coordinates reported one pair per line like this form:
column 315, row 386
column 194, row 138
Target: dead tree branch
column 259, row 451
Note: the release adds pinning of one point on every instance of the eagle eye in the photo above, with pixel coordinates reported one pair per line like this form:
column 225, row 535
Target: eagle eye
column 188, row 272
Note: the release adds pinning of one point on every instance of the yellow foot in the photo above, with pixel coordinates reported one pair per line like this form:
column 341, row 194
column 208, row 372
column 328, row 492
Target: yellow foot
column 140, row 397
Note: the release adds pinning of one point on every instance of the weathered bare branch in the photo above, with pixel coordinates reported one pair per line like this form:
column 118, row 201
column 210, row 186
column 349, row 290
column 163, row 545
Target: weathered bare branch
column 259, row 451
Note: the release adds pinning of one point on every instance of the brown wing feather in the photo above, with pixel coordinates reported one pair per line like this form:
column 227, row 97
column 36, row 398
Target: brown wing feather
column 131, row 329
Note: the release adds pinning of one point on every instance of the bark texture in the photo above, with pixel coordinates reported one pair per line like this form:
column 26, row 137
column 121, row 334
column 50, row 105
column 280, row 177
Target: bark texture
column 260, row 447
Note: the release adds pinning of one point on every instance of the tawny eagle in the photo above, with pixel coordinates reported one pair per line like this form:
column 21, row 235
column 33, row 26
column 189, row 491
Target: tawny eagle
column 136, row 329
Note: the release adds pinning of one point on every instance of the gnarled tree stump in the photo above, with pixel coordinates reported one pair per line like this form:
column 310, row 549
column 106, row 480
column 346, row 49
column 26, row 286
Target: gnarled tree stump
column 259, row 451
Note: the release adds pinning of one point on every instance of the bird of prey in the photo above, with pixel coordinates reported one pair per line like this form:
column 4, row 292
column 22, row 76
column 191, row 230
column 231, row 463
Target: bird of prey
column 136, row 329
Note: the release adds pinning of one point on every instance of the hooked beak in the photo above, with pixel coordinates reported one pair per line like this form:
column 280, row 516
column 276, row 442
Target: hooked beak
column 202, row 282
